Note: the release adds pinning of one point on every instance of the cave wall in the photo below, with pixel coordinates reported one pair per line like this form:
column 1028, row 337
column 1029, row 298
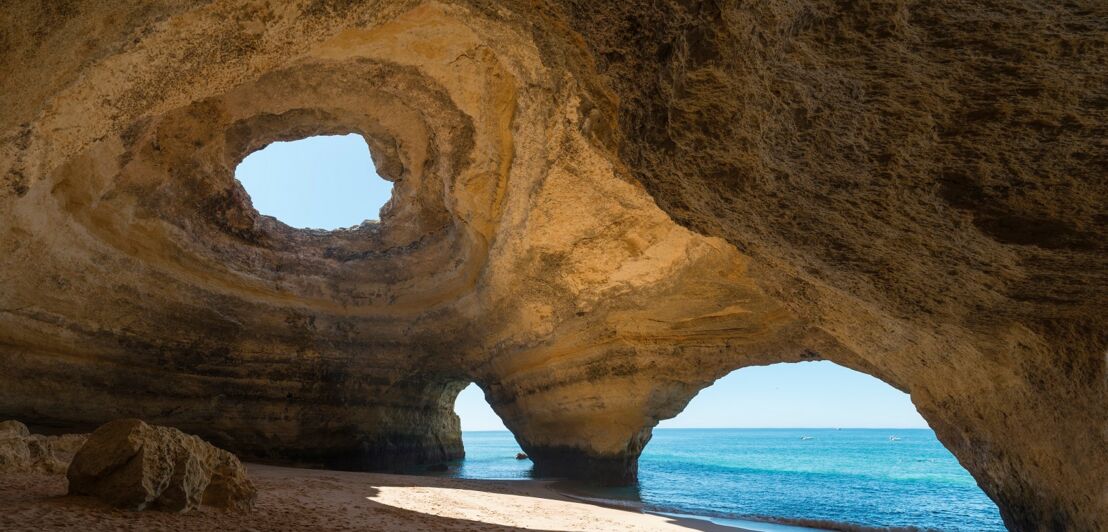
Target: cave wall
column 598, row 209
column 920, row 180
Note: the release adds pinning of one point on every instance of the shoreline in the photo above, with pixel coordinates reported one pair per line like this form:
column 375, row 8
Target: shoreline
column 733, row 524
column 581, row 492
column 314, row 499
column 292, row 498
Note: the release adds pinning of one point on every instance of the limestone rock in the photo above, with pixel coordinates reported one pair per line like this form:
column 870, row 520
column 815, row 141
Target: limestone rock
column 598, row 209
column 21, row 451
column 13, row 429
column 132, row 465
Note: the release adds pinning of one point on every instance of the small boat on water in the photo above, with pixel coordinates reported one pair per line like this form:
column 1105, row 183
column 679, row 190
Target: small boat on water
column 807, row 437
column 894, row 438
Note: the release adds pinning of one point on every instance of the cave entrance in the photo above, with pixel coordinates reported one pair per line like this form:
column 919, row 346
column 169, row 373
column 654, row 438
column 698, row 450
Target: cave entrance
column 322, row 182
column 810, row 441
column 491, row 450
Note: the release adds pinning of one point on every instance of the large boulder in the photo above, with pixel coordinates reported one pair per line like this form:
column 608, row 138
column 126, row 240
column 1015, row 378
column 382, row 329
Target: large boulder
column 136, row 466
column 23, row 452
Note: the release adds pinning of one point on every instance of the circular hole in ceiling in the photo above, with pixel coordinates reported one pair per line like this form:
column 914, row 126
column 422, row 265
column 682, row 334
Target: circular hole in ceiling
column 323, row 182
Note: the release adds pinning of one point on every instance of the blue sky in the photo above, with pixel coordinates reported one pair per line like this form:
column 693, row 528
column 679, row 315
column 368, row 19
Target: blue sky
column 329, row 182
column 322, row 182
column 802, row 395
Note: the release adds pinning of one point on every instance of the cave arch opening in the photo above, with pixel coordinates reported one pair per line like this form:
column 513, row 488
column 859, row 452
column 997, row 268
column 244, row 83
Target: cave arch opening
column 815, row 441
column 492, row 452
column 319, row 182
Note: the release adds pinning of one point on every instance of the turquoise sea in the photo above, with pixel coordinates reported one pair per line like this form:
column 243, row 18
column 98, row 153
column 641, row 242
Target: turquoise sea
column 876, row 478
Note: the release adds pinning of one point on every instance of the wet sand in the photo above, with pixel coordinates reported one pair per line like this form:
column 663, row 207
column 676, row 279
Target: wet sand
column 305, row 499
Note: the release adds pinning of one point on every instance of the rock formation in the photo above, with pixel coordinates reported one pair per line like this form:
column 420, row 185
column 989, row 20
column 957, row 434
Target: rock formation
column 135, row 466
column 23, row 452
column 599, row 209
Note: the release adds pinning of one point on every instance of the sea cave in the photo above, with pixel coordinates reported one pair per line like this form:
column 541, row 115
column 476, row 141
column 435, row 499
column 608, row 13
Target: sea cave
column 596, row 211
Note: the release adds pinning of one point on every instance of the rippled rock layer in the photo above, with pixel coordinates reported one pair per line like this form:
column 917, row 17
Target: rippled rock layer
column 599, row 208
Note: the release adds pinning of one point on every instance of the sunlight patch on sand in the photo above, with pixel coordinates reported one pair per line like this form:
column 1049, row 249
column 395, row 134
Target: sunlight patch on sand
column 520, row 511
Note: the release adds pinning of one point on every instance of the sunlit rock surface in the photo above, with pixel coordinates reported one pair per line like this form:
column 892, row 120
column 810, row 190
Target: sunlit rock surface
column 599, row 208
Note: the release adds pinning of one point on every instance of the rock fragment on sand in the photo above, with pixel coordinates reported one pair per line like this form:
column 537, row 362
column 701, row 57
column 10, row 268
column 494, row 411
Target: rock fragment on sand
column 130, row 464
column 12, row 428
column 23, row 452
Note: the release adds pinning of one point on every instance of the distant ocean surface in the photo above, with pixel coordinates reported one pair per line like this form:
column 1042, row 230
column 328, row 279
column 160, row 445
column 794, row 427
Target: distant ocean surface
column 849, row 476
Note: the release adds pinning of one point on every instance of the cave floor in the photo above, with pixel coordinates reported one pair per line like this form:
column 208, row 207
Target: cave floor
column 304, row 499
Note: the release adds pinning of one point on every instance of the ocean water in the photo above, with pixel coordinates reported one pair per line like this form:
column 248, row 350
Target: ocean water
column 850, row 476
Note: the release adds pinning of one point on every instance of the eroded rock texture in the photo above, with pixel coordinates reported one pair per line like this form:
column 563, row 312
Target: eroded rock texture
column 599, row 209
column 135, row 466
column 23, row 452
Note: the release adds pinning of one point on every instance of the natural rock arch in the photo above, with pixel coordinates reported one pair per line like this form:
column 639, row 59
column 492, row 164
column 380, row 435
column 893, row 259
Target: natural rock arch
column 915, row 192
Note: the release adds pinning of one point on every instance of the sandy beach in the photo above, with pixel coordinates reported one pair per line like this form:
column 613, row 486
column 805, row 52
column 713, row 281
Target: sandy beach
column 305, row 499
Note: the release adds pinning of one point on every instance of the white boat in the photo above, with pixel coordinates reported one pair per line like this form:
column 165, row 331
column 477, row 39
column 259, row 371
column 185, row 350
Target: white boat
column 807, row 437
column 894, row 438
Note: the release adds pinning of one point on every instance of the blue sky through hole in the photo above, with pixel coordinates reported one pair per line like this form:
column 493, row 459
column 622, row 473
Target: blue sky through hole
column 328, row 182
column 324, row 182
